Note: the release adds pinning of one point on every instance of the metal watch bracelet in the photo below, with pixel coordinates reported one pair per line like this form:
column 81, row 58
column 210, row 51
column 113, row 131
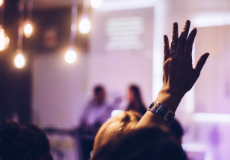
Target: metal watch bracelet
column 159, row 109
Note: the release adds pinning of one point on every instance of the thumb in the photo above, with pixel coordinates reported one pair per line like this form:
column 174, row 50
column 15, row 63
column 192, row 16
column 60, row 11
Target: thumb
column 200, row 63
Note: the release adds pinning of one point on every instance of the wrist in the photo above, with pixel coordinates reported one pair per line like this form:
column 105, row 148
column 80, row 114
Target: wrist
column 164, row 112
column 169, row 98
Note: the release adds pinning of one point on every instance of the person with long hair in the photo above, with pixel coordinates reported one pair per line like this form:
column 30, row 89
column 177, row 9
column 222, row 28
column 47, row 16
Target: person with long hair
column 135, row 100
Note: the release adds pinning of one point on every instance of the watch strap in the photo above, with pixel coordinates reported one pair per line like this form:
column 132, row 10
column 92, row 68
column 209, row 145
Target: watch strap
column 164, row 112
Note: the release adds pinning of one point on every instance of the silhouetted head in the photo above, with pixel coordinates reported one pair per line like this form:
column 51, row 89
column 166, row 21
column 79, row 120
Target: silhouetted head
column 176, row 131
column 23, row 142
column 99, row 94
column 118, row 139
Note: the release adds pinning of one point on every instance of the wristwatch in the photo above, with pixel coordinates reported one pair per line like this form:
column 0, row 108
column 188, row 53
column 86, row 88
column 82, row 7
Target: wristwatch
column 161, row 110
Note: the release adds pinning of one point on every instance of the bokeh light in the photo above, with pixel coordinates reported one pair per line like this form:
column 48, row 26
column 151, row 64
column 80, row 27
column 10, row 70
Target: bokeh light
column 84, row 25
column 28, row 29
column 96, row 3
column 1, row 2
column 70, row 56
column 19, row 60
column 4, row 39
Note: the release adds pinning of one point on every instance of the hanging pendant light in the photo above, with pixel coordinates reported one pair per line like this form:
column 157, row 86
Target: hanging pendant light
column 84, row 25
column 28, row 29
column 1, row 3
column 19, row 60
column 70, row 56
column 4, row 39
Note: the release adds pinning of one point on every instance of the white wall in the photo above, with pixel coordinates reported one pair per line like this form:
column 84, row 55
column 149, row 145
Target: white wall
column 59, row 90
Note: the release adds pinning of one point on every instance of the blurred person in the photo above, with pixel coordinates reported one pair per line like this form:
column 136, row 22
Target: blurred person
column 96, row 112
column 135, row 102
column 127, row 137
column 27, row 142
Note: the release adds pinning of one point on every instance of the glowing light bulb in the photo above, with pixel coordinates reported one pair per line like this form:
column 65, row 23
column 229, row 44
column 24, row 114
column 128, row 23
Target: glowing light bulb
column 84, row 25
column 28, row 29
column 96, row 3
column 4, row 39
column 1, row 2
column 70, row 56
column 19, row 60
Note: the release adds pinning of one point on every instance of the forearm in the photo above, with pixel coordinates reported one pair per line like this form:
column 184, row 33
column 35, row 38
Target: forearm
column 170, row 100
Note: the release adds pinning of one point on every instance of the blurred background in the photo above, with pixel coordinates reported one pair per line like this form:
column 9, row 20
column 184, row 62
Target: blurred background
column 48, row 73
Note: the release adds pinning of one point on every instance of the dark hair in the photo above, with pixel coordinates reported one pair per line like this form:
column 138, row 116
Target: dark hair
column 118, row 139
column 98, row 88
column 136, row 105
column 176, row 129
column 144, row 144
column 151, row 144
column 22, row 142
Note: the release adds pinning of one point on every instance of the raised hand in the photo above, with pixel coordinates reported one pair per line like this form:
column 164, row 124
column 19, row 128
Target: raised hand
column 178, row 73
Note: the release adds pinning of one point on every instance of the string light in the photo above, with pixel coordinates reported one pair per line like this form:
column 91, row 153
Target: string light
column 96, row 3
column 28, row 29
column 4, row 39
column 84, row 25
column 19, row 60
column 70, row 56
column 1, row 2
